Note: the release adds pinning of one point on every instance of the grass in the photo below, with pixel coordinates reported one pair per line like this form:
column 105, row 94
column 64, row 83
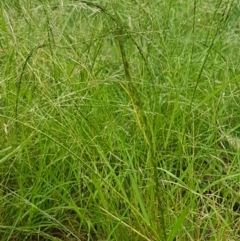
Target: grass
column 119, row 120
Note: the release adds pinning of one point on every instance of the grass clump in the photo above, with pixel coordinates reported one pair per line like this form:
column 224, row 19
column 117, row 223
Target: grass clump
column 119, row 120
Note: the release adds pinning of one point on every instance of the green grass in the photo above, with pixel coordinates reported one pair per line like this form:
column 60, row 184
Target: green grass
column 119, row 120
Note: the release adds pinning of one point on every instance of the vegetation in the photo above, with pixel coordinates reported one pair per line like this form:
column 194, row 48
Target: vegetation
column 119, row 120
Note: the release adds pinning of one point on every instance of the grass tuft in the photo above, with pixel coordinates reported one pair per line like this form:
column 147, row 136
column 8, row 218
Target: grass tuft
column 119, row 120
